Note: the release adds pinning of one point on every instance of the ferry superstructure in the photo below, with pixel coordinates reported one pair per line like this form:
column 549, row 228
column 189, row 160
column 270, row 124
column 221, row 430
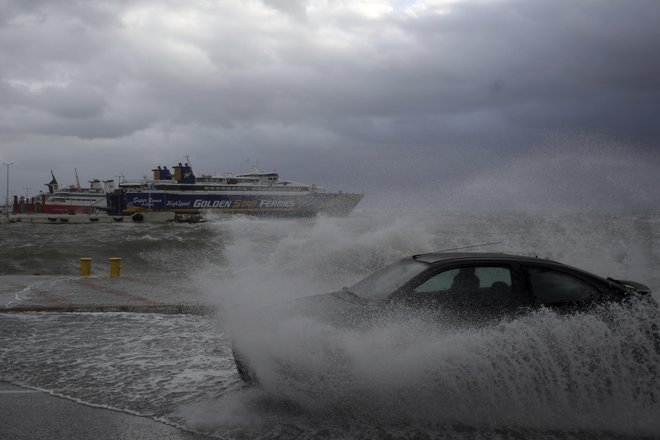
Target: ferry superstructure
column 77, row 200
column 253, row 193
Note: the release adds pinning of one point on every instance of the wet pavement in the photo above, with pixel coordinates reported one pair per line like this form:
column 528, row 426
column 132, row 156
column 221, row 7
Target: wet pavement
column 32, row 414
column 27, row 414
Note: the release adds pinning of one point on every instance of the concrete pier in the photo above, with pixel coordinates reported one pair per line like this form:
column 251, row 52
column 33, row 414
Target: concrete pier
column 76, row 219
column 59, row 219
column 48, row 293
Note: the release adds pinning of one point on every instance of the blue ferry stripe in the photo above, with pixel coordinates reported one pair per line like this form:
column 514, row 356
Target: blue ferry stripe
column 182, row 192
column 144, row 209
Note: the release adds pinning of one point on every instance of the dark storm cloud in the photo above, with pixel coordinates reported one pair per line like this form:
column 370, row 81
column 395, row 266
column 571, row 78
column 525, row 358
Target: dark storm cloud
column 550, row 65
column 417, row 96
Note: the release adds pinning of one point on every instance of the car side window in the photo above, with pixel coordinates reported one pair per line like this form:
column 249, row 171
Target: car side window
column 553, row 287
column 438, row 283
column 486, row 285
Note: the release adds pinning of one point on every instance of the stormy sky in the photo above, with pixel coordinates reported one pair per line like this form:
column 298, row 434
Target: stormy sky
column 462, row 104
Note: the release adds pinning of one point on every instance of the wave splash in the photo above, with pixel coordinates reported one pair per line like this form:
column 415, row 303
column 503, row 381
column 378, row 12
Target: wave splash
column 595, row 371
column 587, row 371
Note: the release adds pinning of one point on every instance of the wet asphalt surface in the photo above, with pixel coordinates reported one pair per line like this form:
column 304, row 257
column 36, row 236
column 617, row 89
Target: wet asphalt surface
column 27, row 414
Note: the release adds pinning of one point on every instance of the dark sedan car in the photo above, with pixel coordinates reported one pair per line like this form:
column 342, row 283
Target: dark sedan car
column 465, row 288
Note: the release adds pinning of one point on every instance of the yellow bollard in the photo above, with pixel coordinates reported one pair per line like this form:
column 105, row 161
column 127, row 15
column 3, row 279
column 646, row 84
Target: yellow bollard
column 115, row 267
column 85, row 267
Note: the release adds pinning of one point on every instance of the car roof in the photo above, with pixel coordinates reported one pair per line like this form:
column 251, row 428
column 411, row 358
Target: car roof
column 467, row 257
column 436, row 257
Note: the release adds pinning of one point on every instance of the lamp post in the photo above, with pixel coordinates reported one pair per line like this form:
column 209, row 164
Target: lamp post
column 7, row 165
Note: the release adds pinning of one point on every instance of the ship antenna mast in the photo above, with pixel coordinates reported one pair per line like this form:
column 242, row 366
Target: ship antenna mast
column 75, row 170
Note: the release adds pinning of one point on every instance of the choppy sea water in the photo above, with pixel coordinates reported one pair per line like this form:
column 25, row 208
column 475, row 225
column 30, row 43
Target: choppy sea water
column 542, row 375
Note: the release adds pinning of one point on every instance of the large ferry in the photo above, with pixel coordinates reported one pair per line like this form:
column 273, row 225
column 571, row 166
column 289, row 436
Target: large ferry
column 253, row 193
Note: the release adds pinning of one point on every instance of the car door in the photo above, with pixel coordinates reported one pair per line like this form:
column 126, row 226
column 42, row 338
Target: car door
column 561, row 289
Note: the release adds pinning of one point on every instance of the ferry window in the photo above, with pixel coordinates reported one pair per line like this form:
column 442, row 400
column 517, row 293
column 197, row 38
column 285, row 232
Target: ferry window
column 553, row 287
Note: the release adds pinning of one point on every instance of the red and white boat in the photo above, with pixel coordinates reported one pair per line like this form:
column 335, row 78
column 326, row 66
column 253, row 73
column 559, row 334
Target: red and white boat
column 70, row 200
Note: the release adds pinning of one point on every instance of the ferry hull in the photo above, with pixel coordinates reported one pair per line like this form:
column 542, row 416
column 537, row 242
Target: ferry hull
column 285, row 205
column 69, row 209
column 64, row 205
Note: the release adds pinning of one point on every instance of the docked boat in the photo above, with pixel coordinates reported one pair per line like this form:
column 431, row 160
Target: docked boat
column 253, row 193
column 73, row 199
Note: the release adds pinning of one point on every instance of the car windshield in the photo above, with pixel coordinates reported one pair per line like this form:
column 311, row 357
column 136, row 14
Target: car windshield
column 380, row 284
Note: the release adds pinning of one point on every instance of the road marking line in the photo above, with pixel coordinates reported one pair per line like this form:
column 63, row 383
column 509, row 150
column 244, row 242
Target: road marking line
column 17, row 391
column 119, row 293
